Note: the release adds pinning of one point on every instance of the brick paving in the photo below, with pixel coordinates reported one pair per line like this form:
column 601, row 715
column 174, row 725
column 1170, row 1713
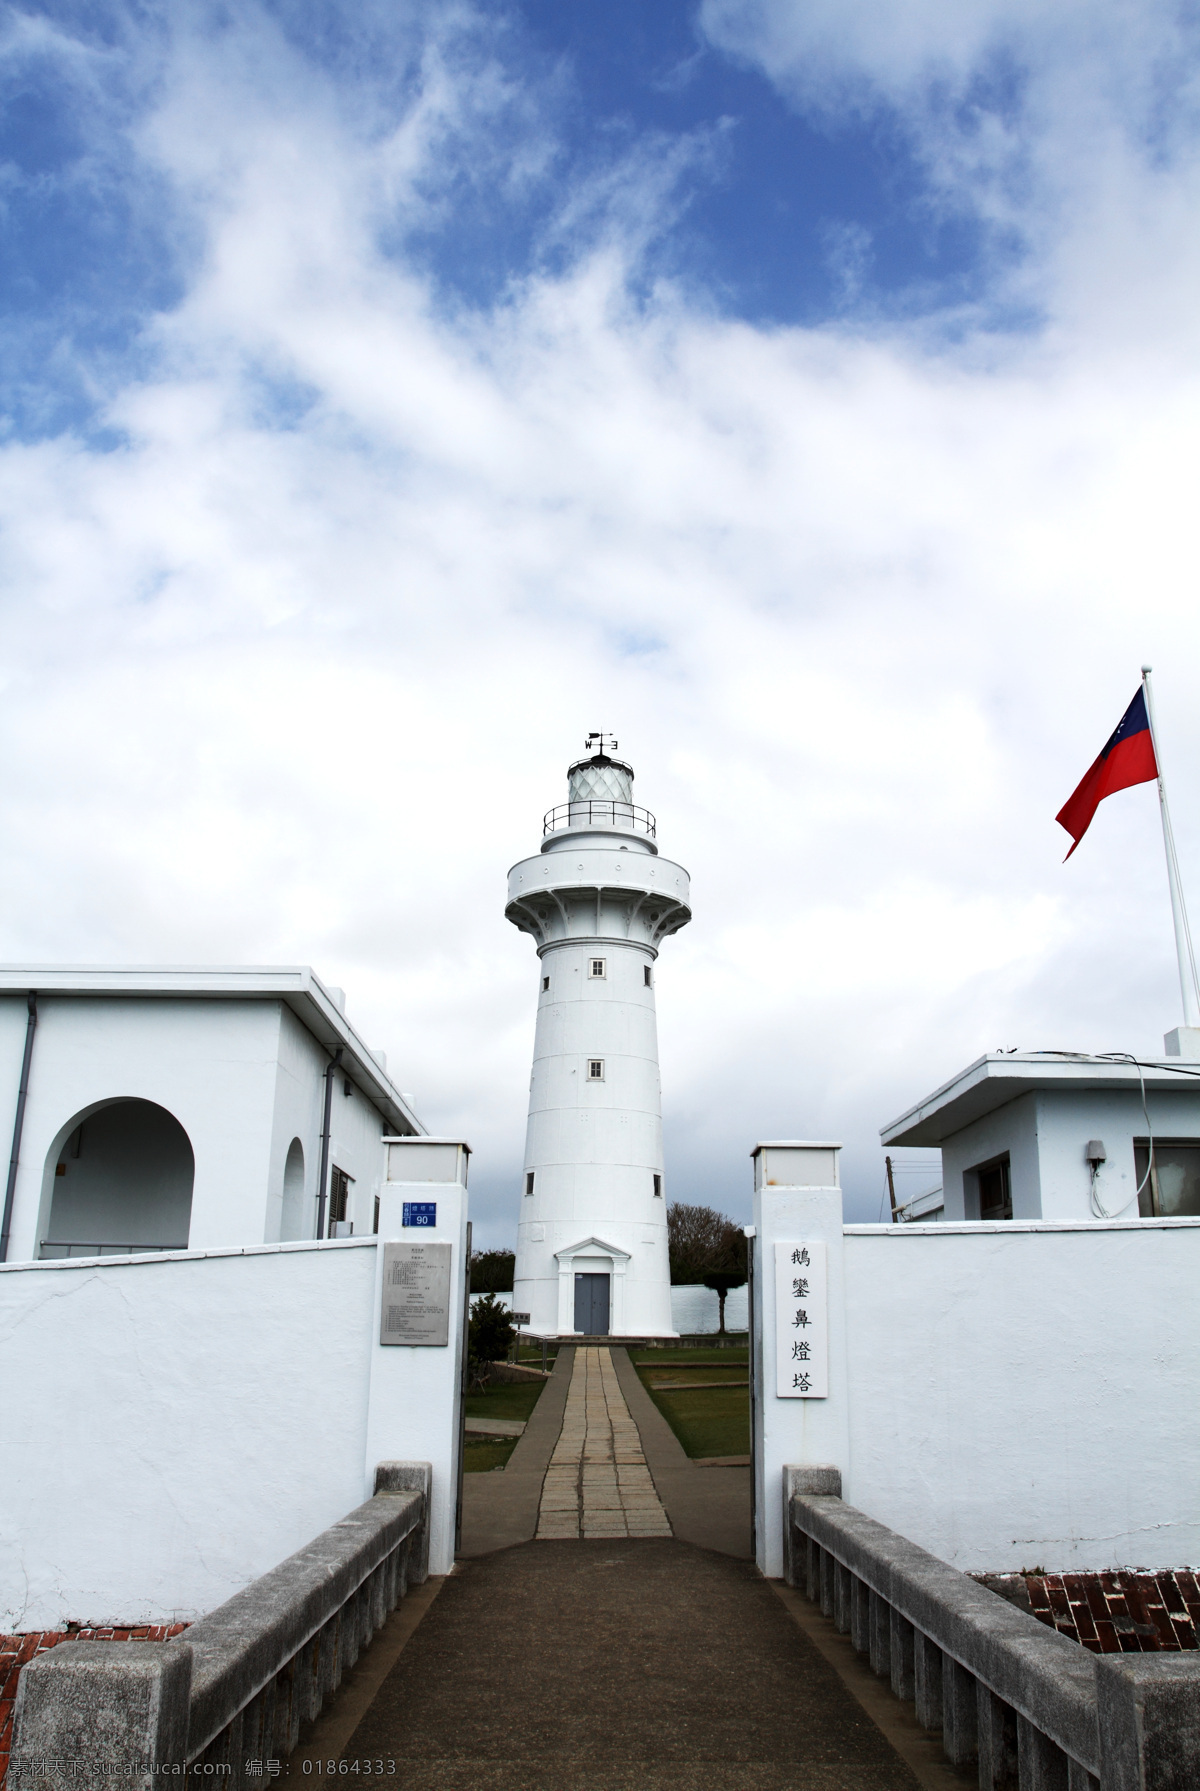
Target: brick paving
column 1123, row 1612
column 598, row 1483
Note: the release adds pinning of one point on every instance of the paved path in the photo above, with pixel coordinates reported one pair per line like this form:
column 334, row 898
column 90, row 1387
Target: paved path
column 709, row 1506
column 598, row 1483
column 618, row 1665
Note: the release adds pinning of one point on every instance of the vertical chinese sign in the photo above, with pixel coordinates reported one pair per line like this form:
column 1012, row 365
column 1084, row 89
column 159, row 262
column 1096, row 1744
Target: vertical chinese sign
column 801, row 1321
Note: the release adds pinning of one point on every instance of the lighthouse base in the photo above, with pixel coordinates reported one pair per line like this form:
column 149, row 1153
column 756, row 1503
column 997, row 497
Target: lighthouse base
column 593, row 1287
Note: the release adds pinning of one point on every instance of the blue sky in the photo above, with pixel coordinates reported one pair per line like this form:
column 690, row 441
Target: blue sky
column 805, row 391
column 621, row 119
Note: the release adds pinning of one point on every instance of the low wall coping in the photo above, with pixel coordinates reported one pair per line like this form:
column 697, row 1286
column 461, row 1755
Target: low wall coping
column 238, row 1648
column 1046, row 1678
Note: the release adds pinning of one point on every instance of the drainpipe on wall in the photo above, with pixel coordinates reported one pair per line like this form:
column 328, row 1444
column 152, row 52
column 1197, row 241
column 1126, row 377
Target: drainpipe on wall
column 18, row 1127
column 323, row 1177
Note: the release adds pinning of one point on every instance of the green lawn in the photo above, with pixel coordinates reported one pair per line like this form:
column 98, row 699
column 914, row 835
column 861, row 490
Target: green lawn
column 707, row 1420
column 710, row 1421
column 505, row 1400
column 737, row 1356
column 482, row 1454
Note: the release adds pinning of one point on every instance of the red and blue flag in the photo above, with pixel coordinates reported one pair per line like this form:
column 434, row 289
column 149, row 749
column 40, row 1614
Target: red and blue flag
column 1128, row 758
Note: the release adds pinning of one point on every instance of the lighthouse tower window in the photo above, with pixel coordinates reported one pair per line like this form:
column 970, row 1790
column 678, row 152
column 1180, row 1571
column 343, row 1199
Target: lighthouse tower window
column 597, row 967
column 658, row 1187
column 545, row 984
column 595, row 1069
column 529, row 1181
column 646, row 975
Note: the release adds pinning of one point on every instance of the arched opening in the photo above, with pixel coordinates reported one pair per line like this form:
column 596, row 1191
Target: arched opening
column 292, row 1223
column 121, row 1182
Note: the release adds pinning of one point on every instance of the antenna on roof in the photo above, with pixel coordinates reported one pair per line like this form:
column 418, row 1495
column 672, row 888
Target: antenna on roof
column 603, row 743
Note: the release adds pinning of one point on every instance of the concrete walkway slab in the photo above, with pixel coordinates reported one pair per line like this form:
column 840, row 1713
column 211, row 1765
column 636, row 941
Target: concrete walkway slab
column 618, row 1665
column 598, row 1483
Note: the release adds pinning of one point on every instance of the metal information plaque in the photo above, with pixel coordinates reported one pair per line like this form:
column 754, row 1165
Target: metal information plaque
column 416, row 1294
column 420, row 1212
column 801, row 1321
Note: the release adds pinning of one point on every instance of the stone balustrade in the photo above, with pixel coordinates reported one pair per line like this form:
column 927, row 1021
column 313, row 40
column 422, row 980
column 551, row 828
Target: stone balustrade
column 1031, row 1708
column 232, row 1692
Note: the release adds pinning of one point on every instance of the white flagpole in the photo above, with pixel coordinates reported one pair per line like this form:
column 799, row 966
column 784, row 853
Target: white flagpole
column 1188, row 984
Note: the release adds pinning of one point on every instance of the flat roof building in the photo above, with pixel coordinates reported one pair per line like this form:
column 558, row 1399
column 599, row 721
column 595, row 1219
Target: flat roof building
column 1058, row 1135
column 166, row 1108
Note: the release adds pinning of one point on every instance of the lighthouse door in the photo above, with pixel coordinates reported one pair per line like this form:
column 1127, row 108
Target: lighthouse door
column 591, row 1305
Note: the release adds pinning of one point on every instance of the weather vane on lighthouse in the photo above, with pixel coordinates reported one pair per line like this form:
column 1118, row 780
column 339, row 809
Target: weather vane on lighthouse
column 598, row 901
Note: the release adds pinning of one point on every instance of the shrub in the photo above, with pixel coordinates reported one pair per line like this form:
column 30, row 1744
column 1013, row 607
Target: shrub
column 489, row 1334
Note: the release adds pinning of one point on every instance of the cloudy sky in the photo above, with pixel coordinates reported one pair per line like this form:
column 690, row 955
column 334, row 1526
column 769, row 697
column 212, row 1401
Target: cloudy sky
column 804, row 390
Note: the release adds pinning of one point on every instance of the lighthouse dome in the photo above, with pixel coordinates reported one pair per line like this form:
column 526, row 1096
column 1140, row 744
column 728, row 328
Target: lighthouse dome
column 600, row 779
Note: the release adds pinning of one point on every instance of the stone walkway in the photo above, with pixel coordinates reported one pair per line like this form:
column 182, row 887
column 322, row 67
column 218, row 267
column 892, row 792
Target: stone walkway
column 598, row 1483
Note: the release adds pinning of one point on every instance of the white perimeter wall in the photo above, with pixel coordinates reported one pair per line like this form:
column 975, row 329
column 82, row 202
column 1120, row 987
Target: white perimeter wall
column 697, row 1310
column 1006, row 1395
column 1027, row 1397
column 175, row 1426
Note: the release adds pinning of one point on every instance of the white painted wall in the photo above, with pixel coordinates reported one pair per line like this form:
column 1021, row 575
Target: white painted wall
column 1024, row 1396
column 697, row 1310
column 356, row 1132
column 1017, row 1395
column 594, row 1147
column 1045, row 1133
column 412, row 1389
column 793, row 1431
column 175, row 1426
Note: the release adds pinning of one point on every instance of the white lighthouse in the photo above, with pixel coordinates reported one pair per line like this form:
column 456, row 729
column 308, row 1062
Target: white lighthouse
column 598, row 899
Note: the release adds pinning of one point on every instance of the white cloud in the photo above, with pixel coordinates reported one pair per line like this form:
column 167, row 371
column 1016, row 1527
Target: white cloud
column 293, row 673
column 1070, row 130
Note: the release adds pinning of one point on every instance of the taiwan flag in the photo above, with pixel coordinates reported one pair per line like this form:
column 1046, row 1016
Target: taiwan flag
column 1128, row 758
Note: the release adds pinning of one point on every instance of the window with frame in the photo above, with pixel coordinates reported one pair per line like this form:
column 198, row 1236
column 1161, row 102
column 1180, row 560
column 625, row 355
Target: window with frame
column 595, row 1069
column 646, row 976
column 995, row 1190
column 1169, row 1178
column 658, row 1187
column 597, row 967
column 545, row 984
column 529, row 1181
column 339, row 1194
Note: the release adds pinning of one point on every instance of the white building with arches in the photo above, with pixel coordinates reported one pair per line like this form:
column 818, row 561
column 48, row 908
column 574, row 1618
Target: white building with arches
column 168, row 1109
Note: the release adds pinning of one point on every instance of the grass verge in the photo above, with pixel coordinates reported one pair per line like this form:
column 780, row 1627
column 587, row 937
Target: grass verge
column 737, row 1356
column 483, row 1454
column 504, row 1400
column 708, row 1420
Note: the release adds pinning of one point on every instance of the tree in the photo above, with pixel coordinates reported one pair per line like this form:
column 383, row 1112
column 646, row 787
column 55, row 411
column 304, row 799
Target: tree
column 706, row 1250
column 492, row 1271
column 490, row 1330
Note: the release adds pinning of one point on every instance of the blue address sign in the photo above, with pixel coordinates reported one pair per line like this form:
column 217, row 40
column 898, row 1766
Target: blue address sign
column 420, row 1212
